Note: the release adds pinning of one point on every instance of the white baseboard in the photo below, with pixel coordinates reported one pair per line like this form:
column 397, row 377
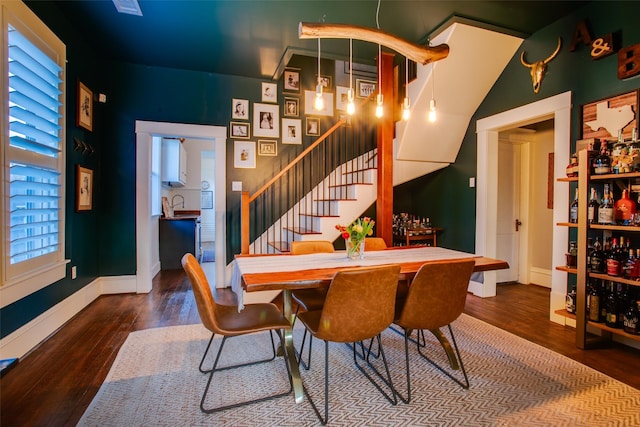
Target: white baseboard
column 540, row 276
column 22, row 341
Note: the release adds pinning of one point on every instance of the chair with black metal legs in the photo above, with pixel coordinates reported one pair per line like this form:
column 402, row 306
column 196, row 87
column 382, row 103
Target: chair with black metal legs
column 436, row 298
column 360, row 304
column 309, row 299
column 228, row 322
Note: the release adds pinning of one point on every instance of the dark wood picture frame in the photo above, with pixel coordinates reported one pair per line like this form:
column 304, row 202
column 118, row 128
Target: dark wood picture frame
column 84, row 189
column 84, row 113
column 589, row 119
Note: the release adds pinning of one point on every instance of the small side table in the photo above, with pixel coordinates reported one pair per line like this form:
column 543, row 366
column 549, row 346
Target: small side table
column 418, row 235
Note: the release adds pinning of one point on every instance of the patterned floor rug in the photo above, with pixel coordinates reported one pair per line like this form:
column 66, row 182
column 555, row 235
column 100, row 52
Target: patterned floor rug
column 155, row 381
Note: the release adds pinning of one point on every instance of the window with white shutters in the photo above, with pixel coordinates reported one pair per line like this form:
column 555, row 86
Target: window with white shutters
column 33, row 150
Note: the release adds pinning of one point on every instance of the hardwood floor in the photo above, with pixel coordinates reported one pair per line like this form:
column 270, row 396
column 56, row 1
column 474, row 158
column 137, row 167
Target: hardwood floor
column 56, row 382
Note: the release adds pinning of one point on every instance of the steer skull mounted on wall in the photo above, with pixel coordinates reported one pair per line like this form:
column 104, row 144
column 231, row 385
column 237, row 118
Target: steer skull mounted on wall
column 537, row 69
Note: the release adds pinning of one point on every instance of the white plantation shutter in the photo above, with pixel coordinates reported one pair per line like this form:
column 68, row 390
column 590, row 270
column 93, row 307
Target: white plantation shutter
column 33, row 152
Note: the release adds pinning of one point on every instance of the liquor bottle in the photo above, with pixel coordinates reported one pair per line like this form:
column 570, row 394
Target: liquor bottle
column 634, row 150
column 573, row 212
column 611, row 305
column 602, row 162
column 623, row 304
column 573, row 166
column 619, row 156
column 629, row 269
column 594, row 303
column 589, row 251
column 632, row 318
column 624, row 209
column 613, row 260
column 592, row 215
column 597, row 258
column 605, row 211
column 571, row 301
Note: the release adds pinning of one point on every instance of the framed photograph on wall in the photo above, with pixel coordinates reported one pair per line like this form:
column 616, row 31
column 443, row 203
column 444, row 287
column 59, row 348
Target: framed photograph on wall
column 239, row 130
column 313, row 126
column 266, row 120
column 325, row 81
column 269, row 92
column 267, row 147
column 84, row 189
column 309, row 99
column 291, row 131
column 291, row 80
column 240, row 109
column 291, row 107
column 365, row 88
column 244, row 154
column 342, row 98
column 84, row 116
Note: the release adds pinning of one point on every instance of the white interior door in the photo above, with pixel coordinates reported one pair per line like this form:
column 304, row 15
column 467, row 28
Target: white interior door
column 507, row 236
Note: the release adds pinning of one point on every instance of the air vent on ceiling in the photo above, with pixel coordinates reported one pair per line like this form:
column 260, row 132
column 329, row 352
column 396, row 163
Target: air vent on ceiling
column 130, row 7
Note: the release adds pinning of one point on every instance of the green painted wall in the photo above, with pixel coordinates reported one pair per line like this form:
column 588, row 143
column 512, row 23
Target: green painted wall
column 445, row 196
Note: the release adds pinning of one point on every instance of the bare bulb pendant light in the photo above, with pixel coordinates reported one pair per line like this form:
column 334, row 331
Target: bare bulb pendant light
column 351, row 106
column 406, row 106
column 318, row 105
column 432, row 103
column 380, row 99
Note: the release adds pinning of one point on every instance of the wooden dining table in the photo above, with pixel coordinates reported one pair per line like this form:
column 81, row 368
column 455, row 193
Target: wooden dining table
column 252, row 273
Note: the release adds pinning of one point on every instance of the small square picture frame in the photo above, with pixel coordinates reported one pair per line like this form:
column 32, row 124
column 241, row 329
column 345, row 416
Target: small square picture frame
column 291, row 80
column 291, row 107
column 365, row 88
column 84, row 189
column 84, row 114
column 342, row 98
column 269, row 92
column 240, row 109
column 266, row 120
column 244, row 154
column 325, row 81
column 312, row 126
column 291, row 131
column 239, row 130
column 267, row 147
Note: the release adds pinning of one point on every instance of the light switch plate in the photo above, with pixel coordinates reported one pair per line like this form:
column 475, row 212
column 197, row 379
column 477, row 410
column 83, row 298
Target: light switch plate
column 236, row 185
column 472, row 181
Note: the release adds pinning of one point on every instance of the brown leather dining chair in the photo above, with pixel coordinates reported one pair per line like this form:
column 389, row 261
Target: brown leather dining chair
column 309, row 299
column 436, row 298
column 374, row 244
column 360, row 304
column 228, row 322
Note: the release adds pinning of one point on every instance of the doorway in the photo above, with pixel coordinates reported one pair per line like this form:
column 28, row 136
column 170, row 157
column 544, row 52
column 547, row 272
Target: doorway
column 147, row 246
column 558, row 108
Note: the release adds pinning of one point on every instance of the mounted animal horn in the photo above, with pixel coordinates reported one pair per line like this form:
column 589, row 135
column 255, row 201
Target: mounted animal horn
column 537, row 69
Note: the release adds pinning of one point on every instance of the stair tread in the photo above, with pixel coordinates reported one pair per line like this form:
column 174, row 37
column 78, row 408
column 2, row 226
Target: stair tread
column 359, row 170
column 320, row 215
column 299, row 230
column 282, row 246
column 353, row 183
column 335, row 200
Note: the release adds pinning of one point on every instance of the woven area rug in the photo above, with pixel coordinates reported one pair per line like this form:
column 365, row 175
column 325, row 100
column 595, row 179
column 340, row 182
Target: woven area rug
column 155, row 381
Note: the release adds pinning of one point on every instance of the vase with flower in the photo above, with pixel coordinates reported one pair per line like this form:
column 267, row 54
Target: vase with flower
column 354, row 234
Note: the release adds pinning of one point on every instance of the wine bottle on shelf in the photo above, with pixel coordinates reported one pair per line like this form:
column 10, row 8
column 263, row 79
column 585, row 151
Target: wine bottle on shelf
column 631, row 322
column 623, row 304
column 594, row 302
column 592, row 212
column 573, row 211
column 605, row 211
column 629, row 269
column 597, row 258
column 613, row 260
column 624, row 209
column 611, row 306
column 602, row 162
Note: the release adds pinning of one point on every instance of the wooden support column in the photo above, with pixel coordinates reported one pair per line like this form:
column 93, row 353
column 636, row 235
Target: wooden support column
column 384, row 203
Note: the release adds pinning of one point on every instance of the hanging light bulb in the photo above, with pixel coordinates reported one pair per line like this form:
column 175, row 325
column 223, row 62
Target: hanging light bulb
column 406, row 106
column 432, row 103
column 351, row 106
column 432, row 110
column 380, row 98
column 319, row 101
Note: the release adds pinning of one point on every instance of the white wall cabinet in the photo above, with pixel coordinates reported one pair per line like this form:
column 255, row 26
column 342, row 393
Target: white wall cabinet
column 174, row 163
